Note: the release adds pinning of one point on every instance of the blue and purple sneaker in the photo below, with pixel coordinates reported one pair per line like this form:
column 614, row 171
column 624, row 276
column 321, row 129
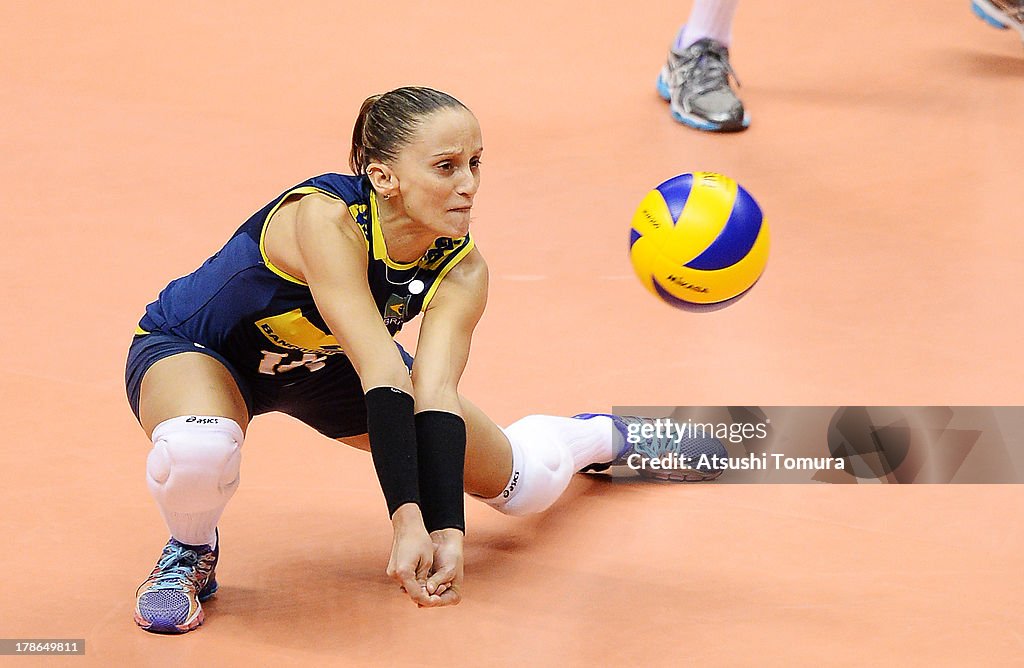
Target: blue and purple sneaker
column 170, row 600
column 654, row 453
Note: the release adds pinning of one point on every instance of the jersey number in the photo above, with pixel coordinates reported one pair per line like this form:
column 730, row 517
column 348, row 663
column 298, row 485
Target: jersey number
column 273, row 362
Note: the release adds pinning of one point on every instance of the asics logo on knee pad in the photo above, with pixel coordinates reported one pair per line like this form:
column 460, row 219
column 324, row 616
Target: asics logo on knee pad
column 511, row 485
column 202, row 420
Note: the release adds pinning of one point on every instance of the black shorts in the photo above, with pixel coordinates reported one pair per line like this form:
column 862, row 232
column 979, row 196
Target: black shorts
column 330, row 400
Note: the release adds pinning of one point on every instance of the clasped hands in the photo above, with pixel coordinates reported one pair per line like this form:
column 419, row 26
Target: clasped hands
column 428, row 567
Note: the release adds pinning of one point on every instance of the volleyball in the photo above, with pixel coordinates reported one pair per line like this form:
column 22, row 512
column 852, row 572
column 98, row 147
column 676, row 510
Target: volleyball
column 698, row 241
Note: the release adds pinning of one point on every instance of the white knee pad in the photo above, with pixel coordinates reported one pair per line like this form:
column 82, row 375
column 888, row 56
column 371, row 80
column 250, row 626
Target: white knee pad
column 192, row 471
column 542, row 466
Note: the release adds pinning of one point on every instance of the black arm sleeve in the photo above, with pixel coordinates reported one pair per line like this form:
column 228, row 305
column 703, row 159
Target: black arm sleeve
column 441, row 438
column 392, row 430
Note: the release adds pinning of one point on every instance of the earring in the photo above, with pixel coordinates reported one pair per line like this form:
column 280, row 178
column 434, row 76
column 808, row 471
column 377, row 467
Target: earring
column 387, row 196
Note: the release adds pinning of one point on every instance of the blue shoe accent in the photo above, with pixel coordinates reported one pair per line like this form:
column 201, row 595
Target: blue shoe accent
column 705, row 126
column 663, row 90
column 695, row 124
column 980, row 13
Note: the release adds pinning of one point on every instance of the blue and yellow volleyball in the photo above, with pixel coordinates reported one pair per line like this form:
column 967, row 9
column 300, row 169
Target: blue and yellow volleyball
column 699, row 241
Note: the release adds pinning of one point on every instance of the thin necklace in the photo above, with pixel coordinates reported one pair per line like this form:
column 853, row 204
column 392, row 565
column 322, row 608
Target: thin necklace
column 405, row 282
column 414, row 285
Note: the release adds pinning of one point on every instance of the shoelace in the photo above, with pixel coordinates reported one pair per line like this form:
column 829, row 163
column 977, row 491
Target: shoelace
column 184, row 561
column 712, row 69
column 653, row 446
column 1013, row 11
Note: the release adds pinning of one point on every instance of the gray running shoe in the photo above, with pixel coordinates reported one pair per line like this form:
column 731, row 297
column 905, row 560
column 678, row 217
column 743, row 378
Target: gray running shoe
column 665, row 456
column 1001, row 14
column 695, row 82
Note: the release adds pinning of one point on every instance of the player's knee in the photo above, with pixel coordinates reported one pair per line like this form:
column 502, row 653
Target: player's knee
column 541, row 469
column 194, row 464
column 532, row 436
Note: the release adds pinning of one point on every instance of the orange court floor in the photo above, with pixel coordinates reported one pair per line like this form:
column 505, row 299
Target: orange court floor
column 885, row 149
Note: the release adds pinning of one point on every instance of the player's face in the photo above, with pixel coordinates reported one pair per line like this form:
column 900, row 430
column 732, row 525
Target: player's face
column 439, row 171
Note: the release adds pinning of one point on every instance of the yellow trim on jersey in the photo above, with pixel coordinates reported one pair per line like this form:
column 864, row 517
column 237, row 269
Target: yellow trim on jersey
column 307, row 190
column 448, row 267
column 139, row 331
column 380, row 249
column 355, row 210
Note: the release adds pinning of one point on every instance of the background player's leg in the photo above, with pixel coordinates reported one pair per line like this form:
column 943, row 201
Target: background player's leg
column 711, row 19
column 696, row 77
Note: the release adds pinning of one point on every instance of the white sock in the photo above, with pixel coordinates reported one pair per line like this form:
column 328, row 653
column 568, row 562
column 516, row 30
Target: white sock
column 546, row 452
column 708, row 18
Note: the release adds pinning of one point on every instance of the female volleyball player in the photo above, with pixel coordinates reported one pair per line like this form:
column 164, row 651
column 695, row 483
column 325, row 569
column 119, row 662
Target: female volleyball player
column 296, row 313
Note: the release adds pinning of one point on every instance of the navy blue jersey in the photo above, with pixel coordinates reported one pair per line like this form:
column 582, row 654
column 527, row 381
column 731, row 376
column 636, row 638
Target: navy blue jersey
column 264, row 320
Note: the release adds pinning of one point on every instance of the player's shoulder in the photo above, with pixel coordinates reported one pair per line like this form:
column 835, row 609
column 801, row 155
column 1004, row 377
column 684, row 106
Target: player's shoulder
column 319, row 214
column 351, row 189
column 321, row 205
column 471, row 269
column 464, row 288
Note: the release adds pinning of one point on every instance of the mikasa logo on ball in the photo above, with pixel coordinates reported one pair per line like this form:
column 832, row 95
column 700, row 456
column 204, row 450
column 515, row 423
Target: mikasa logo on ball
column 683, row 284
column 655, row 223
column 713, row 180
